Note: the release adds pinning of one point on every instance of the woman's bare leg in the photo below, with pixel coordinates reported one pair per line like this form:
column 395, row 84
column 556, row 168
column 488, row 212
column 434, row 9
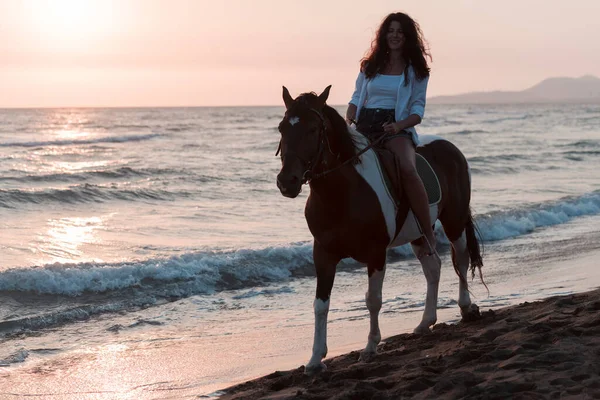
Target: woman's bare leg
column 404, row 150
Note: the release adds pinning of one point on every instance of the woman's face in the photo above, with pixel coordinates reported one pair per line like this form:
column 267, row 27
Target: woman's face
column 395, row 36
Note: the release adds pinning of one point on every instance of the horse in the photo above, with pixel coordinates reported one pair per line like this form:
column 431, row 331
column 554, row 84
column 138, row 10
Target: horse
column 349, row 214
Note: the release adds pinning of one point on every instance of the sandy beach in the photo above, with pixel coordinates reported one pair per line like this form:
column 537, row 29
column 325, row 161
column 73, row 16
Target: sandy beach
column 542, row 349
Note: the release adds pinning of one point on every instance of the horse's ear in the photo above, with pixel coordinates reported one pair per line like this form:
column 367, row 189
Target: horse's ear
column 323, row 96
column 287, row 98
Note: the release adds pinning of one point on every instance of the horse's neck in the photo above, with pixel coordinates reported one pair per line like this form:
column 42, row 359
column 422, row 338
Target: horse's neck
column 336, row 185
column 340, row 176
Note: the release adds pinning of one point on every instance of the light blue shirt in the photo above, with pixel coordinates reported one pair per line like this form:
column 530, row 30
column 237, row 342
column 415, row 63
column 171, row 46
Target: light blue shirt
column 410, row 99
column 382, row 91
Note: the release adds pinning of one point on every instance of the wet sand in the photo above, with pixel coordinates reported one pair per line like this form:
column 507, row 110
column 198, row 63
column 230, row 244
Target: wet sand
column 538, row 350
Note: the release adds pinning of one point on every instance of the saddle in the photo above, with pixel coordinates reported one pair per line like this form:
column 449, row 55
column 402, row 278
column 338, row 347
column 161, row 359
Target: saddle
column 430, row 180
column 378, row 168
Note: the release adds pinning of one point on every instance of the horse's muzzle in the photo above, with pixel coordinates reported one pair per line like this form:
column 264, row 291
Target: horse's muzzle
column 289, row 186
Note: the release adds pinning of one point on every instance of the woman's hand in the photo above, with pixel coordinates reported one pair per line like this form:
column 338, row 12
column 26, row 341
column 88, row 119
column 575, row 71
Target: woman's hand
column 351, row 114
column 392, row 128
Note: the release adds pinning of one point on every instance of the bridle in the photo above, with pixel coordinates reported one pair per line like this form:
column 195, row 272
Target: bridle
column 311, row 165
column 309, row 174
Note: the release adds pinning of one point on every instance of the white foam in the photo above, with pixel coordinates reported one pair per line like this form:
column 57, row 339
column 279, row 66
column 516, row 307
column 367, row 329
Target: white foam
column 206, row 271
column 514, row 223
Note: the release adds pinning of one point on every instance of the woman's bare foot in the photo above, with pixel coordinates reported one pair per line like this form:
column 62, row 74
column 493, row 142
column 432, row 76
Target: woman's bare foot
column 429, row 245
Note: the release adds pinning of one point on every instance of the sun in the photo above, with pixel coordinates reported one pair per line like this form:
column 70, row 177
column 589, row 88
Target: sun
column 69, row 24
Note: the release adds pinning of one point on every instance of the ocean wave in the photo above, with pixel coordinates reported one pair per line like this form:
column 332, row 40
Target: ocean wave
column 582, row 152
column 65, row 316
column 193, row 273
column 512, row 223
column 515, row 118
column 467, row 132
column 207, row 272
column 490, row 169
column 264, row 292
column 583, row 144
column 502, row 157
column 117, row 126
column 108, row 139
column 90, row 289
column 84, row 193
column 118, row 173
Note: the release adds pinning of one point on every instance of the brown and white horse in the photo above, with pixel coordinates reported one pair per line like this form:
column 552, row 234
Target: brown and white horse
column 349, row 214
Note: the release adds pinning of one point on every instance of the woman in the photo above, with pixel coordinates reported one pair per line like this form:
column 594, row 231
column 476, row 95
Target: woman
column 390, row 99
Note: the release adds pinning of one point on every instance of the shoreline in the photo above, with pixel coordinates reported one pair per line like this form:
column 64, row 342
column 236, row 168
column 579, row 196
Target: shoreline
column 542, row 349
column 173, row 351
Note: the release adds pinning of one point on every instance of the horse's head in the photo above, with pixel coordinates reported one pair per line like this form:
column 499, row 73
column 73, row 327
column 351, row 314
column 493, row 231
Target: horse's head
column 302, row 139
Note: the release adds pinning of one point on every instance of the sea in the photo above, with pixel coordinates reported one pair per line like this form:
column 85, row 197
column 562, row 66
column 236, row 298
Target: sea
column 147, row 252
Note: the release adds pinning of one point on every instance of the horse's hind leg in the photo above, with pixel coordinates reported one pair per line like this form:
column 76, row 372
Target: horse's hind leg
column 325, row 265
column 373, row 299
column 461, row 260
column 432, row 269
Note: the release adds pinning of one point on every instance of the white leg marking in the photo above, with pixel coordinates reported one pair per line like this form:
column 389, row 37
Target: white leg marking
column 320, row 341
column 431, row 268
column 373, row 299
column 461, row 253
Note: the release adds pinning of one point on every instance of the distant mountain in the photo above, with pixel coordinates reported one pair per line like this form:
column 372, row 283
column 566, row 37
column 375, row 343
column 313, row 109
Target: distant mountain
column 585, row 89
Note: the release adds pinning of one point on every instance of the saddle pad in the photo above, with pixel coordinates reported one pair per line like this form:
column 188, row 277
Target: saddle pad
column 430, row 180
column 373, row 173
column 428, row 176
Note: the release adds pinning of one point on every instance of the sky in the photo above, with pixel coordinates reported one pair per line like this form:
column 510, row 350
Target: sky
column 120, row 53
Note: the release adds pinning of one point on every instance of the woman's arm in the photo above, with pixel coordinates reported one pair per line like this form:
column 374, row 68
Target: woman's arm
column 351, row 114
column 353, row 105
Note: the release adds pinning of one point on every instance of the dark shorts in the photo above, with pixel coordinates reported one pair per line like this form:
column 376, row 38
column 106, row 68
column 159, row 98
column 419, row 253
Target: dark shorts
column 371, row 120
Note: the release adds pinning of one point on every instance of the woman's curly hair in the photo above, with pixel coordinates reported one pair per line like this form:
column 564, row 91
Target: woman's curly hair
column 414, row 51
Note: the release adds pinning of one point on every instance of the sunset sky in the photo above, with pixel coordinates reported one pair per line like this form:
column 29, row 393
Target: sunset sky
column 72, row 53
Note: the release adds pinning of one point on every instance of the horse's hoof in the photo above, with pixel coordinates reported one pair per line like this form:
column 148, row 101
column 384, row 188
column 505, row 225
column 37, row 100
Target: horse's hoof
column 470, row 313
column 367, row 356
column 312, row 370
column 422, row 330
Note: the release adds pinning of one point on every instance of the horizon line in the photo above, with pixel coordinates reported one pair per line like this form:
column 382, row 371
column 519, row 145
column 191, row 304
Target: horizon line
column 565, row 101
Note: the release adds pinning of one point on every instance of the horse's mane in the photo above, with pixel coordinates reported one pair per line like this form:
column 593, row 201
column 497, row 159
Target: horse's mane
column 340, row 138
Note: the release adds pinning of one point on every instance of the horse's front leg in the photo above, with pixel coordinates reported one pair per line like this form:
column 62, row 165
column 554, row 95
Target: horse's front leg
column 325, row 264
column 373, row 298
column 431, row 268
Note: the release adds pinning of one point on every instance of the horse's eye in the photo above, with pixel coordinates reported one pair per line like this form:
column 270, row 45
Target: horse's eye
column 313, row 130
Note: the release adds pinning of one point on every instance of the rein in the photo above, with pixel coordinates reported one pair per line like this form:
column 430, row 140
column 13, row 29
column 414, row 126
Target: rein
column 353, row 158
column 308, row 175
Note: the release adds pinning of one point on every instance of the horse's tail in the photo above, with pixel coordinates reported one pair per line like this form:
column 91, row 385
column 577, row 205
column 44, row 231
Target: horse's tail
column 475, row 250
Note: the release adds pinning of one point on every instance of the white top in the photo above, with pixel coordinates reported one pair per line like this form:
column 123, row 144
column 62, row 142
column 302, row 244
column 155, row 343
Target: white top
column 410, row 99
column 382, row 91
